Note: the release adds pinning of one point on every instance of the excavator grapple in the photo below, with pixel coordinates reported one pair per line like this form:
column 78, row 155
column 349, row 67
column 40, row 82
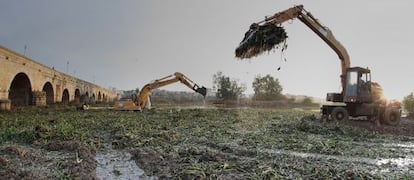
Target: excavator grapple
column 200, row 90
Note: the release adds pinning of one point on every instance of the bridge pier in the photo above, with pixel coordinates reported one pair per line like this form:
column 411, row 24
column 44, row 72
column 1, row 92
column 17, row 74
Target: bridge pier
column 39, row 98
column 5, row 105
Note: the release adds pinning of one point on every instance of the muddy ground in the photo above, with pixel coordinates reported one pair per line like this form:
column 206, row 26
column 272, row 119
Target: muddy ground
column 200, row 144
column 405, row 128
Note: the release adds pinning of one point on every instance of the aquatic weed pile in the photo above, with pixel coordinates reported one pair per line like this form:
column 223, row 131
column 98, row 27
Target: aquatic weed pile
column 261, row 38
column 204, row 143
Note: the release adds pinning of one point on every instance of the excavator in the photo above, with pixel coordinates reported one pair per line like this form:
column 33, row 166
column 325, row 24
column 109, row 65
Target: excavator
column 360, row 97
column 143, row 100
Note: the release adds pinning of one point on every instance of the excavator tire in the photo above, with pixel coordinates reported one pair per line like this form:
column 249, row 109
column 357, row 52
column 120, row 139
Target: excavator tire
column 392, row 117
column 339, row 114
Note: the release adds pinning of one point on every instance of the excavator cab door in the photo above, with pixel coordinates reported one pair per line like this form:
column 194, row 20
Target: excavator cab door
column 364, row 87
column 351, row 90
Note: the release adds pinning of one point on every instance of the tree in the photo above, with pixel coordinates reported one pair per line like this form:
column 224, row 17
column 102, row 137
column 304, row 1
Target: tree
column 307, row 101
column 267, row 88
column 408, row 103
column 227, row 89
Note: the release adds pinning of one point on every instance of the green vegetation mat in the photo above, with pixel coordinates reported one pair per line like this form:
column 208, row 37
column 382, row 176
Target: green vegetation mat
column 202, row 143
column 261, row 38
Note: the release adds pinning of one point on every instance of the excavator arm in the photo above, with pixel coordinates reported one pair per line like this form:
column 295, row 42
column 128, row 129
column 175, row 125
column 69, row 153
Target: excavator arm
column 360, row 98
column 322, row 31
column 176, row 77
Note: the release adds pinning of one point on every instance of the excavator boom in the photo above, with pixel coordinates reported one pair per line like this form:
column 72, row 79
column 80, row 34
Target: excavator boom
column 322, row 31
column 143, row 100
column 143, row 97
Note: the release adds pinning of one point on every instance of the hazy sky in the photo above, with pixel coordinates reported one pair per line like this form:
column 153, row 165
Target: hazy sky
column 127, row 43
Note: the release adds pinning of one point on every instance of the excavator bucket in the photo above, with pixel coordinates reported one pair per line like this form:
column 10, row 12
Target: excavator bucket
column 202, row 90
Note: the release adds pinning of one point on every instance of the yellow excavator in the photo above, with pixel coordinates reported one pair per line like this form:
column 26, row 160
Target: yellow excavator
column 360, row 96
column 143, row 100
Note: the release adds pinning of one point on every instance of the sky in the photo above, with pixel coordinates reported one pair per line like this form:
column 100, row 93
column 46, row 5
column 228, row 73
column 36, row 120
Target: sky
column 128, row 43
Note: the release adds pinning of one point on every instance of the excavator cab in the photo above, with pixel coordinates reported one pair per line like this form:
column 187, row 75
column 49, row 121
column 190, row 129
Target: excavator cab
column 358, row 86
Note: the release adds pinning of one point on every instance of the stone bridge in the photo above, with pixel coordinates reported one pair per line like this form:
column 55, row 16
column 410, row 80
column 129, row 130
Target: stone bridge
column 25, row 82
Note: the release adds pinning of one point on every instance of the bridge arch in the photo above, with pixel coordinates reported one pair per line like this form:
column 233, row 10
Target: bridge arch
column 77, row 98
column 65, row 97
column 48, row 89
column 20, row 91
column 93, row 99
column 99, row 96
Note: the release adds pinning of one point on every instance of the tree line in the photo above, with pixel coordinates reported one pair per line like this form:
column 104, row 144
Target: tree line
column 266, row 88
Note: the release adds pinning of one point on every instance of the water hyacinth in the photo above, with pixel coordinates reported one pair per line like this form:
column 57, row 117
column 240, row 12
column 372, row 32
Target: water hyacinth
column 203, row 143
column 261, row 38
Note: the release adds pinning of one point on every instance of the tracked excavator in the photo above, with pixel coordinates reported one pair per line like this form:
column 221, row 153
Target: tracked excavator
column 143, row 100
column 360, row 97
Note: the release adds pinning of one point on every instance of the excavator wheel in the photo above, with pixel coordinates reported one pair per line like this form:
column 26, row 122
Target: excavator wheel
column 339, row 114
column 392, row 117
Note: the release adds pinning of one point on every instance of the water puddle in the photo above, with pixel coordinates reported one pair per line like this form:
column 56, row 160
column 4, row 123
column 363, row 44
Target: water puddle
column 117, row 164
column 382, row 165
column 321, row 156
column 397, row 164
column 387, row 145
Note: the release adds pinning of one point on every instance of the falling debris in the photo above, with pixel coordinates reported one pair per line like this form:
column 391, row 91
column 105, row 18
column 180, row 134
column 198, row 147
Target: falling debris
column 261, row 38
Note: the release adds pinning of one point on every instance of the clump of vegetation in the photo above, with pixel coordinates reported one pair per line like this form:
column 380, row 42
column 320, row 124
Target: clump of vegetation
column 261, row 38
